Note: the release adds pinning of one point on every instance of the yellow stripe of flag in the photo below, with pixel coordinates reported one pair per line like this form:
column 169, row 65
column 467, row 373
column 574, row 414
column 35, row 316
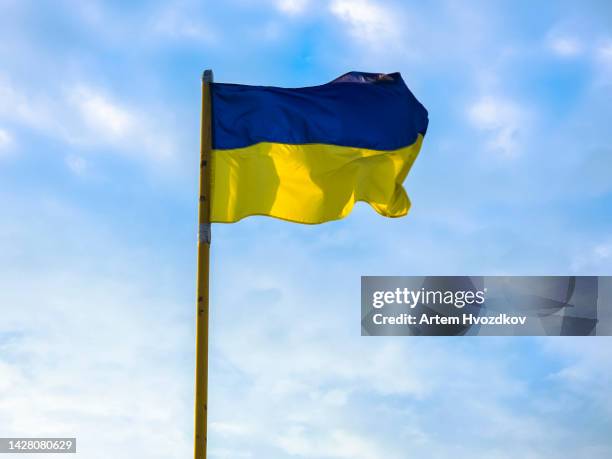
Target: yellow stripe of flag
column 309, row 183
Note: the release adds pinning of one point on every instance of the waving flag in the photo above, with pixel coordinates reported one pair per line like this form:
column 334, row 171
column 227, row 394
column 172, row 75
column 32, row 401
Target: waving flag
column 304, row 155
column 308, row 154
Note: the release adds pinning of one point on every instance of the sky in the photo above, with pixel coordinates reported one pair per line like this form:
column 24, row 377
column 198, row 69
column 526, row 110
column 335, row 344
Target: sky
column 99, row 146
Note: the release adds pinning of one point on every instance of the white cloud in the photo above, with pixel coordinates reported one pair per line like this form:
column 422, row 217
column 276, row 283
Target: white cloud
column 6, row 142
column 368, row 22
column 229, row 428
column 101, row 115
column 604, row 251
column 594, row 259
column 603, row 59
column 338, row 443
column 76, row 164
column 88, row 117
column 604, row 52
column 104, row 121
column 292, row 7
column 566, row 46
column 597, row 48
column 86, row 358
column 16, row 105
column 10, row 376
column 173, row 22
column 503, row 120
column 228, row 453
column 584, row 368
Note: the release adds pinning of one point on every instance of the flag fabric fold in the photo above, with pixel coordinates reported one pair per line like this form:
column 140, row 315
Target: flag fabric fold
column 308, row 154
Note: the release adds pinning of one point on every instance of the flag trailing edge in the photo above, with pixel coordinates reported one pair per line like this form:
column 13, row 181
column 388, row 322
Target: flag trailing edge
column 308, row 154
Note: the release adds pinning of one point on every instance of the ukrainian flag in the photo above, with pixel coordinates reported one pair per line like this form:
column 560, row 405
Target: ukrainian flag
column 308, row 154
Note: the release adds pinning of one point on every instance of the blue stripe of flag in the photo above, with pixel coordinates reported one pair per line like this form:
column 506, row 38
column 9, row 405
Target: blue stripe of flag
column 363, row 110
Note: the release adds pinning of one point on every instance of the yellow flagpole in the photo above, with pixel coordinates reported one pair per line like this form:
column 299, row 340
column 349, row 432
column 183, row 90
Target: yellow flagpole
column 202, row 306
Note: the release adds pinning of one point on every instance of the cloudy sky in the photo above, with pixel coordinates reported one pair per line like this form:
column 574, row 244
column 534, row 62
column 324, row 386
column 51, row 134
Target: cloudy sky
column 99, row 121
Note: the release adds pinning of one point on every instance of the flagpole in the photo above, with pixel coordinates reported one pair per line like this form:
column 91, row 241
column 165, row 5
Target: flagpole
column 203, row 270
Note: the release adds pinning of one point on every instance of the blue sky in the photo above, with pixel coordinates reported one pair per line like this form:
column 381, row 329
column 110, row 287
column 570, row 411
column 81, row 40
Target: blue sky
column 99, row 121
